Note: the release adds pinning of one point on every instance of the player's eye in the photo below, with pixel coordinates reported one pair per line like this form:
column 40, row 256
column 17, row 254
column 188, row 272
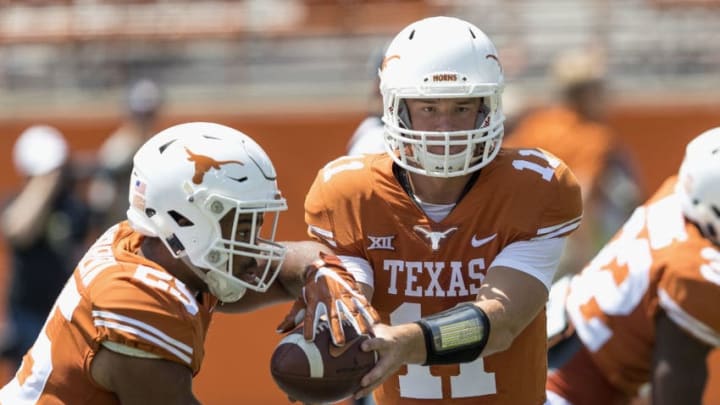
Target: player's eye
column 243, row 235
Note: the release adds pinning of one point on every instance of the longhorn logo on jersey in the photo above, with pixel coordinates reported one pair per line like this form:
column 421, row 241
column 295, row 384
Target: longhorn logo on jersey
column 203, row 164
column 433, row 236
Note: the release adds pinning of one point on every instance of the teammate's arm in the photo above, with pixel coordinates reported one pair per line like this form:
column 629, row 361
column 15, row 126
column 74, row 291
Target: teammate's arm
column 289, row 283
column 322, row 286
column 679, row 364
column 137, row 380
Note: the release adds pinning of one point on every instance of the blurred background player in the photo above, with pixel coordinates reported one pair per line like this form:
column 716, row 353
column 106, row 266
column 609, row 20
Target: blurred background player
column 131, row 322
column 143, row 104
column 643, row 309
column 368, row 136
column 45, row 227
column 575, row 129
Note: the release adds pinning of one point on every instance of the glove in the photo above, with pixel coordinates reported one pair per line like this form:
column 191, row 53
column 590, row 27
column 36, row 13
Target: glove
column 330, row 292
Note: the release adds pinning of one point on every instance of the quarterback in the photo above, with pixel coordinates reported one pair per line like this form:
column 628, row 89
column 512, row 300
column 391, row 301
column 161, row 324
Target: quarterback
column 454, row 239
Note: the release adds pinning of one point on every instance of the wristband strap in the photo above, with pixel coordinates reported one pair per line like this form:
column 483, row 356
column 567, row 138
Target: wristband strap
column 456, row 335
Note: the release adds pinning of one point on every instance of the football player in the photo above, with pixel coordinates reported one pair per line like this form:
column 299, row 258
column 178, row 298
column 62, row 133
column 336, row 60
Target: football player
column 642, row 311
column 454, row 239
column 576, row 130
column 130, row 324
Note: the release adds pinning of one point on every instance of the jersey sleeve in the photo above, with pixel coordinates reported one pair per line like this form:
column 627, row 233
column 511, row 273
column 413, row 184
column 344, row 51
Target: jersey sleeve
column 545, row 200
column 563, row 210
column 148, row 310
column 686, row 291
column 317, row 215
column 333, row 208
column 539, row 258
column 543, row 206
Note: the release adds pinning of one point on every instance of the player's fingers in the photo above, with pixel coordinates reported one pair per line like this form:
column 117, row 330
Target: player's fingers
column 364, row 392
column 373, row 343
column 364, row 327
column 312, row 317
column 284, row 326
column 375, row 377
column 377, row 342
column 292, row 319
column 366, row 311
column 335, row 318
column 349, row 314
column 336, row 332
column 360, row 321
column 372, row 383
column 372, row 313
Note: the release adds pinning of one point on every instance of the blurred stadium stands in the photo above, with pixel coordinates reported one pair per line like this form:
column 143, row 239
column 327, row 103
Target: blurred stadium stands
column 58, row 54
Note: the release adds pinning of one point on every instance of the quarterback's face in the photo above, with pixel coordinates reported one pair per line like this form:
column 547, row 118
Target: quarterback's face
column 451, row 114
column 443, row 115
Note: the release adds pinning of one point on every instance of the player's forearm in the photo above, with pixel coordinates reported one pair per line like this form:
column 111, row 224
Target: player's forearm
column 503, row 329
column 290, row 280
column 511, row 299
column 300, row 254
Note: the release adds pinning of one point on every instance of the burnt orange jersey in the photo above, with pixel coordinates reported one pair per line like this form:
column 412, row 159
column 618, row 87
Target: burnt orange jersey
column 113, row 295
column 421, row 267
column 656, row 261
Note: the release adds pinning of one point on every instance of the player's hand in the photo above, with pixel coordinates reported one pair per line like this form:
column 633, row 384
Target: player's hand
column 330, row 291
column 395, row 346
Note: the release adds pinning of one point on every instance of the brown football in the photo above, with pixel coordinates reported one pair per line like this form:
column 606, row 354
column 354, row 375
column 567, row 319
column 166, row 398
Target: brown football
column 319, row 371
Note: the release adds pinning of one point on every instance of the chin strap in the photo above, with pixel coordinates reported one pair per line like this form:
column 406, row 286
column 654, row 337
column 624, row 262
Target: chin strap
column 218, row 283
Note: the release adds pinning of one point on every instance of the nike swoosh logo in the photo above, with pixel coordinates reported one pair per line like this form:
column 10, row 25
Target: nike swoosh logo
column 479, row 242
column 337, row 351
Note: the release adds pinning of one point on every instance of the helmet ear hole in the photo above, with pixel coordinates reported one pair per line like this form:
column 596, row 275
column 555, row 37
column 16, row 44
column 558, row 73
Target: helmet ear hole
column 711, row 231
column 715, row 210
column 180, row 219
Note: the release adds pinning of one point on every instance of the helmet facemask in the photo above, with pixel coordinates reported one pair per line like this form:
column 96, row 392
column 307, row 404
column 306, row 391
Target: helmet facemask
column 245, row 255
column 461, row 152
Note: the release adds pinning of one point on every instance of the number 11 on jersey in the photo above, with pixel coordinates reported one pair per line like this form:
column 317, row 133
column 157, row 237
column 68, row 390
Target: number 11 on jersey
column 418, row 382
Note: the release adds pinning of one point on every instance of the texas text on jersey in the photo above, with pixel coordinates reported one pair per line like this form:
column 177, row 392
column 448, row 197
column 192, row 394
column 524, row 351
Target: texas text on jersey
column 421, row 267
column 113, row 297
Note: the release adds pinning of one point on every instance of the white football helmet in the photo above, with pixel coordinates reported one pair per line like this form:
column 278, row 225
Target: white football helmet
column 442, row 57
column 698, row 183
column 186, row 179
